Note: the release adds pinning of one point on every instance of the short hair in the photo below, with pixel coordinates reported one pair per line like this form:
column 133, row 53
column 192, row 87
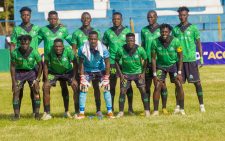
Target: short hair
column 25, row 9
column 130, row 35
column 152, row 11
column 118, row 13
column 164, row 25
column 58, row 40
column 24, row 38
column 93, row 33
column 183, row 8
column 86, row 13
column 52, row 13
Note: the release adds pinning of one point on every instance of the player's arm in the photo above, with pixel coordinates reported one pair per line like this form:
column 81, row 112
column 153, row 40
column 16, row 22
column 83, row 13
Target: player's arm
column 13, row 41
column 45, row 71
column 13, row 74
column 180, row 62
column 81, row 65
column 107, row 66
column 199, row 46
column 142, row 39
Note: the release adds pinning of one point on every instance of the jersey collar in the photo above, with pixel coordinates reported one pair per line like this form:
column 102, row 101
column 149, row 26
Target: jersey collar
column 166, row 44
column 26, row 28
column 118, row 30
column 153, row 28
column 184, row 27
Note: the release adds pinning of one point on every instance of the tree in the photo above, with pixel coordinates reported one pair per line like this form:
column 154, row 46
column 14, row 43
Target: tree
column 7, row 14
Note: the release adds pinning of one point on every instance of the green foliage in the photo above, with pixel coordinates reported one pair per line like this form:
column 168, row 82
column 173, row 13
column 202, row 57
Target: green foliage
column 195, row 126
column 9, row 12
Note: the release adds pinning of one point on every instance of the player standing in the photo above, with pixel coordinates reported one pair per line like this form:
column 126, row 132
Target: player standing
column 189, row 36
column 25, row 28
column 79, row 37
column 114, row 38
column 94, row 66
column 48, row 34
column 23, row 62
column 58, row 67
column 134, row 61
column 148, row 34
column 168, row 51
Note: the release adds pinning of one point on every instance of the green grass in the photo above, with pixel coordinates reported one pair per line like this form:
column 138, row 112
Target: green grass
column 195, row 126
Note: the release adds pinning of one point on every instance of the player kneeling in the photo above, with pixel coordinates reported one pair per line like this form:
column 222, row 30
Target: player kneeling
column 95, row 67
column 133, row 69
column 23, row 62
column 58, row 67
column 168, row 52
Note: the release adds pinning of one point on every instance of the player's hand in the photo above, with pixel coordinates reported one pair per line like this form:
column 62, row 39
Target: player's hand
column 36, row 86
column 142, row 75
column 105, row 83
column 74, row 83
column 201, row 61
column 84, row 84
column 179, row 77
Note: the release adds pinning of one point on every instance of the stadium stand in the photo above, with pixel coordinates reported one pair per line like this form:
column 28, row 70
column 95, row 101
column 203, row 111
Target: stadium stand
column 203, row 13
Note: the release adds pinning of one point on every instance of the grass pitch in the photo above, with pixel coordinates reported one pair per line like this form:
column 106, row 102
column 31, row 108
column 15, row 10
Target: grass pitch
column 195, row 126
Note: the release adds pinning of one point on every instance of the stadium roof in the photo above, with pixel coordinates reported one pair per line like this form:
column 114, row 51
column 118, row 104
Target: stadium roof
column 1, row 9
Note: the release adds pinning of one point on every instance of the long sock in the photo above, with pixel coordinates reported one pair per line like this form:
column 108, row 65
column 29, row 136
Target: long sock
column 121, row 102
column 98, row 105
column 32, row 100
column 65, row 95
column 199, row 92
column 164, row 94
column 130, row 98
column 108, row 101
column 37, row 103
column 145, row 101
column 156, row 105
column 47, row 108
column 181, row 104
column 16, row 106
column 82, row 101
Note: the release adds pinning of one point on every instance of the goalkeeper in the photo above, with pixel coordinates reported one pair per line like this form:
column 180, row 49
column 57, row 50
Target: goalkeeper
column 94, row 66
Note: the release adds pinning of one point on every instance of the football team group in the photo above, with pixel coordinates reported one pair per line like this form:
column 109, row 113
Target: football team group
column 101, row 60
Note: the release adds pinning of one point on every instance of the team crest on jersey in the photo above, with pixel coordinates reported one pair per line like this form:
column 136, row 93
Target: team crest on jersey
column 64, row 59
column 188, row 32
column 30, row 59
column 136, row 56
column 20, row 58
column 159, row 48
column 47, row 33
column 171, row 49
column 60, row 33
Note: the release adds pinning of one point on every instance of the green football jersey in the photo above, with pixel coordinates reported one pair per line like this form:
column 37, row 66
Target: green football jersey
column 187, row 39
column 28, row 63
column 18, row 31
column 147, row 37
column 114, row 42
column 60, row 65
column 48, row 36
column 166, row 56
column 79, row 37
column 131, row 64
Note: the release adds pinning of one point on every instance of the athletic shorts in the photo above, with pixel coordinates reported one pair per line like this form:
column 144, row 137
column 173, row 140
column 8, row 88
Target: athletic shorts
column 113, row 72
column 94, row 76
column 25, row 75
column 148, row 72
column 128, row 78
column 162, row 72
column 190, row 72
column 53, row 78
